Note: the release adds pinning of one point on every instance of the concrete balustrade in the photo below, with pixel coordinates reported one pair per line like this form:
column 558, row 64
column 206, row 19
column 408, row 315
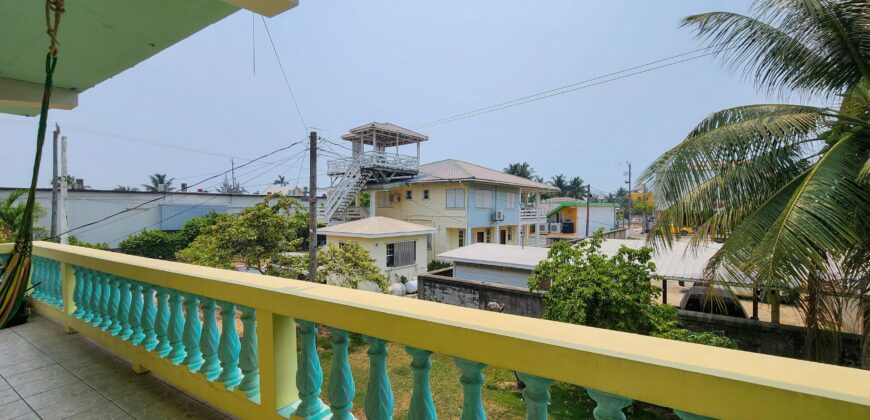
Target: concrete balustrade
column 163, row 317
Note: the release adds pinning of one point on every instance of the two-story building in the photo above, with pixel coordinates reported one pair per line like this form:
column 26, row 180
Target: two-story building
column 464, row 203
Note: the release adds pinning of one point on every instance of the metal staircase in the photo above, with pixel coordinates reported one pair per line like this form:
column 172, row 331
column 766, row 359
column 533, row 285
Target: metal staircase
column 349, row 186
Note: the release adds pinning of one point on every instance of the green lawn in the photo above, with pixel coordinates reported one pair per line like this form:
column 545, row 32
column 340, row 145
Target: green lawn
column 500, row 398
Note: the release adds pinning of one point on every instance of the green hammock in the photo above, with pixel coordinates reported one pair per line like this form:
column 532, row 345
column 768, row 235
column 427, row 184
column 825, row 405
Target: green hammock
column 16, row 272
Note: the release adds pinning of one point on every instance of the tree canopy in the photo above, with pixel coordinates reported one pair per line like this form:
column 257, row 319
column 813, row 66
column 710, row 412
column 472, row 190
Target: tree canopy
column 155, row 181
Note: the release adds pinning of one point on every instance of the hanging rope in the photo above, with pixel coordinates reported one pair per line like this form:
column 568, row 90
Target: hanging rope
column 16, row 272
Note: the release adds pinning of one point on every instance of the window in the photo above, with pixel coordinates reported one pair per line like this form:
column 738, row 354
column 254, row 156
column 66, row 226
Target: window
column 483, row 199
column 456, row 199
column 429, row 242
column 400, row 254
column 488, row 236
column 425, row 194
column 480, row 237
column 409, row 194
column 511, row 200
column 461, row 238
column 383, row 199
column 509, row 234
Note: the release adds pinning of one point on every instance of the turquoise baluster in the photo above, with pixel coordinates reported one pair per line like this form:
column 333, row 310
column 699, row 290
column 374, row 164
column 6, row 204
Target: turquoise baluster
column 689, row 416
column 176, row 327
column 111, row 321
column 101, row 298
column 379, row 396
column 36, row 278
column 161, row 326
column 90, row 288
column 536, row 395
column 149, row 316
column 249, row 361
column 124, row 310
column 422, row 407
column 136, row 307
column 609, row 406
column 192, row 331
column 58, row 286
column 209, row 339
column 341, row 388
column 309, row 376
column 78, row 292
column 228, row 347
column 472, row 389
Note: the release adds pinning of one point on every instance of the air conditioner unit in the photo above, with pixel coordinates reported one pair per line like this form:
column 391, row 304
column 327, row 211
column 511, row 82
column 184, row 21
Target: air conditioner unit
column 497, row 216
column 555, row 227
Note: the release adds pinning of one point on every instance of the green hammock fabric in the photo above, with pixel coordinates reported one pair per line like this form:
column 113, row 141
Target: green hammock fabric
column 16, row 273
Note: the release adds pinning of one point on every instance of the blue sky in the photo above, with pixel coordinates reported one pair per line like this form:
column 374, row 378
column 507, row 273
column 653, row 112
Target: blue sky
column 407, row 63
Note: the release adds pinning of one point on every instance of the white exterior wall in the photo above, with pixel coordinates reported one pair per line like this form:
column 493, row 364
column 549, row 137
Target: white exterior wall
column 88, row 206
column 492, row 274
column 377, row 249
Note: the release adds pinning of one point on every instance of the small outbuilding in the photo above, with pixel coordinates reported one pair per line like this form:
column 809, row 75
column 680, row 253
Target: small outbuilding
column 398, row 248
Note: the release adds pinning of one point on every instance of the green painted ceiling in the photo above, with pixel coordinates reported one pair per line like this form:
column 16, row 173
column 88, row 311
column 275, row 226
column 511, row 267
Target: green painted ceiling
column 98, row 38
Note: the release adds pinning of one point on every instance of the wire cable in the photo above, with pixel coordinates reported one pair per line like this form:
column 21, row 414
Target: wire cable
column 284, row 73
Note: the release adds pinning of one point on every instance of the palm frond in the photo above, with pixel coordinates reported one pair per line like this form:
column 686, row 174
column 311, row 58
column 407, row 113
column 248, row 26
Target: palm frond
column 818, row 221
column 780, row 48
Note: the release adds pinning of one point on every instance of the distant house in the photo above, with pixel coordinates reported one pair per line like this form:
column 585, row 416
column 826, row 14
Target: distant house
column 464, row 203
column 398, row 248
column 568, row 218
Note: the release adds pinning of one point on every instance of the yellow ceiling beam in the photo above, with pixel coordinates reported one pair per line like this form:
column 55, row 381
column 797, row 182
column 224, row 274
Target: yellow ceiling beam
column 268, row 8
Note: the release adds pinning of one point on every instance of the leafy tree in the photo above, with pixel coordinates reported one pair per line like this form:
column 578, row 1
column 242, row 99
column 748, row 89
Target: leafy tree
column 100, row 245
column 156, row 180
column 280, row 181
column 12, row 216
column 523, row 170
column 349, row 265
column 787, row 185
column 258, row 236
column 231, row 187
column 125, row 188
column 157, row 244
column 584, row 286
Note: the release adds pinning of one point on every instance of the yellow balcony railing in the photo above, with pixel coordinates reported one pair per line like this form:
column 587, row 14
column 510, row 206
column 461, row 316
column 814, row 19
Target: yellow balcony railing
column 139, row 308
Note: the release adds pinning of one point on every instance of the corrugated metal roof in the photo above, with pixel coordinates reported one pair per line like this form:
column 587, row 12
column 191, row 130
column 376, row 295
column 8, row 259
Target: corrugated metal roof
column 376, row 227
column 678, row 262
column 457, row 170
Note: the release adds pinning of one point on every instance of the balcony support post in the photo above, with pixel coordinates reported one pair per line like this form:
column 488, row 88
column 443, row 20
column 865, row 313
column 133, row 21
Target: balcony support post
column 67, row 280
column 228, row 347
column 192, row 333
column 379, row 395
column 341, row 386
column 176, row 327
column 209, row 340
column 124, row 310
column 136, row 308
column 276, row 353
column 149, row 315
column 472, row 389
column 248, row 358
column 422, row 407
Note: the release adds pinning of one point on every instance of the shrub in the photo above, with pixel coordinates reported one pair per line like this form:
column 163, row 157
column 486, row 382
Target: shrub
column 710, row 338
column 75, row 241
column 152, row 244
column 437, row 265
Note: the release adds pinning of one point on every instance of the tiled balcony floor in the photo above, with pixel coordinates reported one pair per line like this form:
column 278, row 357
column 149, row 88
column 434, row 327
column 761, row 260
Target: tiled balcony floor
column 48, row 374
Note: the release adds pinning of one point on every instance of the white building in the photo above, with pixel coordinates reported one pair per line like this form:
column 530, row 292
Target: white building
column 142, row 210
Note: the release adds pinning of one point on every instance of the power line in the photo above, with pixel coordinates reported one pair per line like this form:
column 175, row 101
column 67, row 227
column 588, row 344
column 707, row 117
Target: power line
column 572, row 87
column 284, row 73
column 175, row 192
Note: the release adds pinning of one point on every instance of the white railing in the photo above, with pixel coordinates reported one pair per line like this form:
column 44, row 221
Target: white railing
column 532, row 213
column 374, row 160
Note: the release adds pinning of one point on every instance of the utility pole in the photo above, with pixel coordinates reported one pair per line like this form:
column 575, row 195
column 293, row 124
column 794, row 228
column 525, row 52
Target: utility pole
column 629, row 196
column 62, row 214
column 233, row 172
column 55, row 188
column 588, row 195
column 312, row 208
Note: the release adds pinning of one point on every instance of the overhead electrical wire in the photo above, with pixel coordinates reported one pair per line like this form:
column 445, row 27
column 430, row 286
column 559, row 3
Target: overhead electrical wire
column 284, row 73
column 574, row 86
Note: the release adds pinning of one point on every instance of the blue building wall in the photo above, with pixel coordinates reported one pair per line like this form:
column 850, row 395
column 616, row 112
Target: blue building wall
column 483, row 217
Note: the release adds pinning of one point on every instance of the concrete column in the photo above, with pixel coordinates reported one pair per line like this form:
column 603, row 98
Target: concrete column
column 373, row 195
column 537, row 218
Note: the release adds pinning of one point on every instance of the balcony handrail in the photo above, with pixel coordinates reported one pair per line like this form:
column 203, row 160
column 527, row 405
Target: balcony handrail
column 374, row 158
column 693, row 378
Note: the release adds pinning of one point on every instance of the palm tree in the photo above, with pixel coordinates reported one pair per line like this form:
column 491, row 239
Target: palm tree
column 12, row 216
column 280, row 181
column 523, row 170
column 785, row 184
column 576, row 188
column 559, row 182
column 158, row 180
